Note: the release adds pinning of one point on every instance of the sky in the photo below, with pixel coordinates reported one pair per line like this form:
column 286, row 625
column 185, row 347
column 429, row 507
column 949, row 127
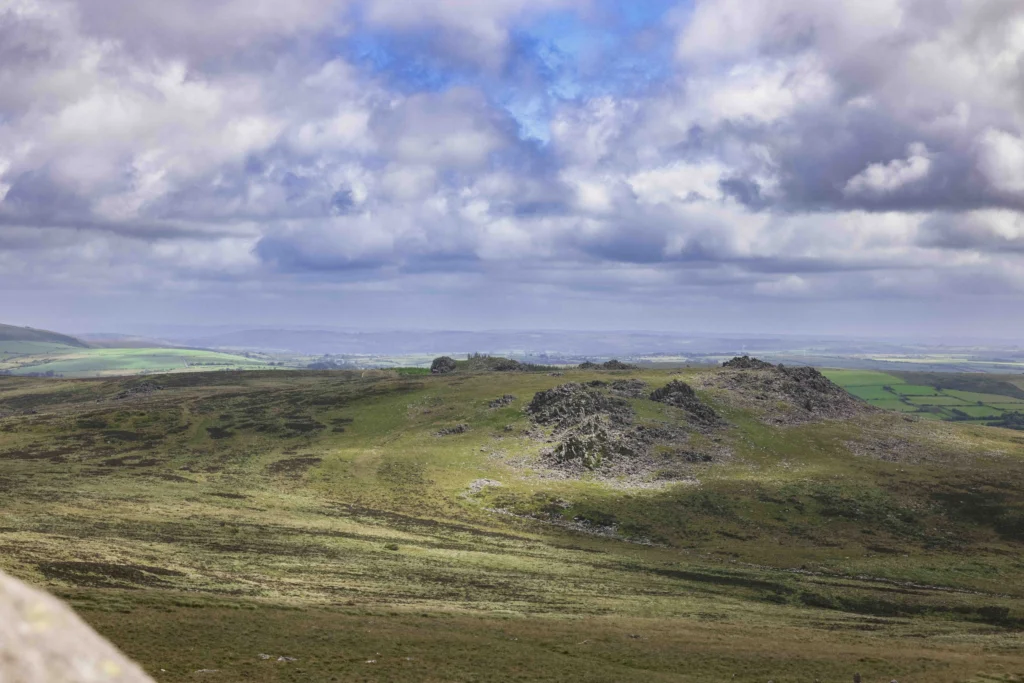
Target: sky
column 753, row 166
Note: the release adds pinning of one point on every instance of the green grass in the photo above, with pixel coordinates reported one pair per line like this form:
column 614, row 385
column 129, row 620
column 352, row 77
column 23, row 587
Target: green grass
column 875, row 393
column 12, row 333
column 939, row 401
column 10, row 349
column 112, row 362
column 980, row 411
column 858, row 378
column 895, row 404
column 916, row 390
column 929, row 402
column 317, row 515
column 973, row 397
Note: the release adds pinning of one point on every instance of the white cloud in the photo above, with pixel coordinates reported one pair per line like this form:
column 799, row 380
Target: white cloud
column 1001, row 160
column 882, row 179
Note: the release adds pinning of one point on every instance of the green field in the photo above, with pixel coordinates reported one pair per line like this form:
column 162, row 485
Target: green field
column 980, row 411
column 76, row 362
column 320, row 516
column 862, row 378
column 935, row 395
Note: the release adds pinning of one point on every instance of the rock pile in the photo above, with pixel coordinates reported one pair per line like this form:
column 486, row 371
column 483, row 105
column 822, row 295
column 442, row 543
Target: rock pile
column 569, row 405
column 457, row 429
column 591, row 426
column 506, row 400
column 682, row 395
column 594, row 429
column 442, row 366
column 43, row 641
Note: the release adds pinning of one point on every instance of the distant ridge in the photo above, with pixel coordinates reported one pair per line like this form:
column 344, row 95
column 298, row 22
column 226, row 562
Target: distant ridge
column 11, row 333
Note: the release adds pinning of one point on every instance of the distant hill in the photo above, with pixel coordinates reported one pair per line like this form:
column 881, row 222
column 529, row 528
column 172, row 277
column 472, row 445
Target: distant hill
column 12, row 333
column 124, row 341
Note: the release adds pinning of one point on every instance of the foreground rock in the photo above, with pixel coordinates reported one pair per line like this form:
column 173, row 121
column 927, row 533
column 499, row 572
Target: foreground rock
column 43, row 641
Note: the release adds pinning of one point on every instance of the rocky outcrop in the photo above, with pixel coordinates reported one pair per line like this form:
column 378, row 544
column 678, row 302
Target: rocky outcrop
column 747, row 363
column 43, row 641
column 442, row 366
column 789, row 395
column 569, row 405
column 682, row 395
column 609, row 365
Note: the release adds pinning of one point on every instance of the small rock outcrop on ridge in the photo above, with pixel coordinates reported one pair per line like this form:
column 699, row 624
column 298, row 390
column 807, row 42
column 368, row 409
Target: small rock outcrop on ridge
column 609, row 365
column 43, row 641
column 808, row 394
column 747, row 363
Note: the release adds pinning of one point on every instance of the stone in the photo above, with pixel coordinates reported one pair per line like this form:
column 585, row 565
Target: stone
column 43, row 641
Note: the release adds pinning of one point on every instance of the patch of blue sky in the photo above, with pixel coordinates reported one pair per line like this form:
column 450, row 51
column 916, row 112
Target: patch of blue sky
column 620, row 49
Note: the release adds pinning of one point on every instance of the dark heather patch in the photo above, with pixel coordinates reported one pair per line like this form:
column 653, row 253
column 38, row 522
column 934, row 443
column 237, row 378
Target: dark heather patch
column 293, row 465
column 219, row 433
column 304, row 427
column 130, row 461
column 106, row 575
column 123, row 435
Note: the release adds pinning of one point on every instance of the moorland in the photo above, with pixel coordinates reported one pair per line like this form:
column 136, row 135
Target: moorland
column 494, row 523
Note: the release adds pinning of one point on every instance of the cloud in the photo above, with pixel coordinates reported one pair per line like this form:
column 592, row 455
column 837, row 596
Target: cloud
column 728, row 150
column 883, row 179
column 1001, row 161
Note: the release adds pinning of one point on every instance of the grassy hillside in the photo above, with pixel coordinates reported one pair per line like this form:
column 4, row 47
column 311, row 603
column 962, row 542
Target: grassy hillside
column 11, row 333
column 103, row 362
column 375, row 526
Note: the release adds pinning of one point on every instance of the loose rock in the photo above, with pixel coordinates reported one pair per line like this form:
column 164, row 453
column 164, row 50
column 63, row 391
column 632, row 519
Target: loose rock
column 457, row 429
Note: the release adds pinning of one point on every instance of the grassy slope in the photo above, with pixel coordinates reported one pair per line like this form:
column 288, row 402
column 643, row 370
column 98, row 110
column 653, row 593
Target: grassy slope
column 325, row 502
column 11, row 333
